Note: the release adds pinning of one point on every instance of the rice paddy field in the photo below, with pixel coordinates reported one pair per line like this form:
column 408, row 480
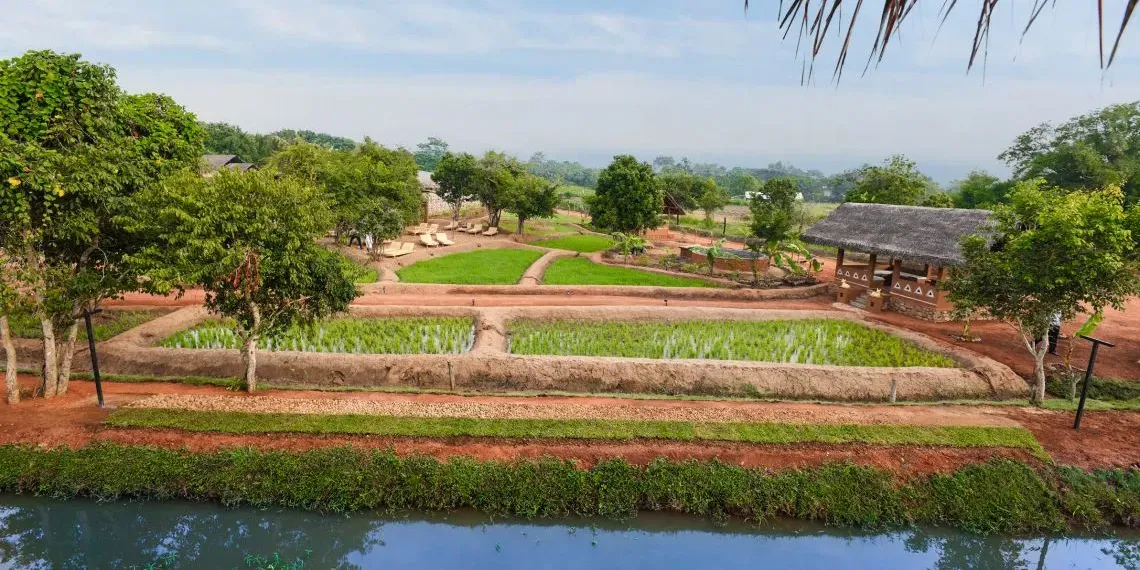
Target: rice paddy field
column 108, row 324
column 809, row 341
column 585, row 243
column 405, row 335
column 582, row 271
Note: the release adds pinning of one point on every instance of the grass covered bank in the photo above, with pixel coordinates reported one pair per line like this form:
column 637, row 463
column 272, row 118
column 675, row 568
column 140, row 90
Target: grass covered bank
column 759, row 433
column 582, row 271
column 503, row 266
column 999, row 496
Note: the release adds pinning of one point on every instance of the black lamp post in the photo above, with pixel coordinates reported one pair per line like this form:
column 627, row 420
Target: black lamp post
column 94, row 356
column 1096, row 342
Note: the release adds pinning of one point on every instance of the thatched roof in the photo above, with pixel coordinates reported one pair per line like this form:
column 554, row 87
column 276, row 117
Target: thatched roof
column 426, row 183
column 672, row 207
column 925, row 235
column 216, row 161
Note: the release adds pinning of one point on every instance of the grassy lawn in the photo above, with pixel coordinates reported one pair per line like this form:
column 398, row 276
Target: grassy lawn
column 769, row 433
column 107, row 324
column 585, row 243
column 482, row 267
column 809, row 341
column 581, row 271
column 405, row 335
column 559, row 224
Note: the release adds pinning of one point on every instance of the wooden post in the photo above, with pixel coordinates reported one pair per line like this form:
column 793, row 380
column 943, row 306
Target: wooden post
column 896, row 269
column 838, row 262
column 871, row 272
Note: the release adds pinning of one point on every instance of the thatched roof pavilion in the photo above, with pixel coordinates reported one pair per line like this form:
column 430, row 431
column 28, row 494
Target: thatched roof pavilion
column 919, row 244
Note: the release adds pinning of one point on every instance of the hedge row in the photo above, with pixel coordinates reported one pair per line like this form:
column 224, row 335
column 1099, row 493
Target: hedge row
column 999, row 496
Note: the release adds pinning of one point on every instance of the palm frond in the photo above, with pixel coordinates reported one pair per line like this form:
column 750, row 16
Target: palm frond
column 814, row 19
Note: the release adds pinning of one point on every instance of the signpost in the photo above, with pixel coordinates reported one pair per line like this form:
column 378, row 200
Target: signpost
column 1096, row 342
column 94, row 356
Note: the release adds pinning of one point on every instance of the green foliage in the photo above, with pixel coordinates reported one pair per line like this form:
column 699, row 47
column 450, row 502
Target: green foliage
column 564, row 172
column 411, row 335
column 629, row 244
column 380, row 219
column 429, row 153
column 107, row 324
column 1091, row 151
column 582, row 271
column 682, row 186
column 711, row 199
column 224, row 138
column 494, row 183
column 999, row 496
column 1103, row 389
column 629, row 198
column 757, row 433
column 249, row 240
column 807, row 341
column 457, row 176
column 938, row 200
column 773, row 210
column 585, row 243
column 359, row 273
column 531, row 197
column 483, row 267
column 359, row 184
column 739, row 183
column 980, row 190
column 325, row 140
column 1057, row 253
column 898, row 181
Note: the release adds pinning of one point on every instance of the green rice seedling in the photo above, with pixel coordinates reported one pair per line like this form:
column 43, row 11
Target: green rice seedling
column 404, row 335
column 808, row 341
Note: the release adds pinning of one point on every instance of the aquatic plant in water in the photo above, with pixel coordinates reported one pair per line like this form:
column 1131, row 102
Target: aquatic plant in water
column 403, row 335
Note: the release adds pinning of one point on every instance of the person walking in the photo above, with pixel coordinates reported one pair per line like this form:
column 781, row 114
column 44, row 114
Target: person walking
column 368, row 243
column 1054, row 332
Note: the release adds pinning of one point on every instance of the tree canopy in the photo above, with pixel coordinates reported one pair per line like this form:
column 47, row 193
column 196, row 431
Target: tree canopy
column 979, row 190
column 74, row 149
column 897, row 181
column 224, row 138
column 429, row 153
column 1056, row 253
column 457, row 176
column 562, row 171
column 628, row 199
column 1095, row 150
column 532, row 197
column 249, row 241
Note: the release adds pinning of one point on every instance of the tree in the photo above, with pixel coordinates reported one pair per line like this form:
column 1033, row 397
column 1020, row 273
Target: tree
column 1054, row 252
column 979, row 190
column 249, row 241
column 774, row 212
column 1095, row 150
column 740, row 183
column 323, row 140
column 898, row 181
column 74, row 149
column 456, row 175
column 429, row 153
column 664, row 163
column 9, row 305
column 224, row 138
column 684, row 188
column 938, row 200
column 532, row 197
column 628, row 244
column 494, row 182
column 711, row 199
column 628, row 199
column 381, row 220
column 561, row 172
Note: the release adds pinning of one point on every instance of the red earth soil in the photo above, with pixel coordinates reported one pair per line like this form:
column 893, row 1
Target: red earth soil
column 1107, row 439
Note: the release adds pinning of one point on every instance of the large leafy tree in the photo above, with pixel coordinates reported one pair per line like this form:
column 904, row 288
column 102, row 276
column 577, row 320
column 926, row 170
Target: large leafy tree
column 683, row 187
column 561, row 171
column 628, row 199
column 457, row 176
column 324, row 140
column 775, row 211
column 711, row 198
column 224, row 138
column 429, row 153
column 897, row 181
column 1053, row 252
column 249, row 241
column 979, row 190
column 1095, row 150
column 74, row 149
column 494, row 183
column 532, row 197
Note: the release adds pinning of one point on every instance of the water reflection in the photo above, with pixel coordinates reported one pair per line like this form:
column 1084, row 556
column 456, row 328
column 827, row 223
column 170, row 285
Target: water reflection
column 43, row 534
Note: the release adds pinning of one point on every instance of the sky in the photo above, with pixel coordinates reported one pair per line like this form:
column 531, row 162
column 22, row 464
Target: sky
column 585, row 80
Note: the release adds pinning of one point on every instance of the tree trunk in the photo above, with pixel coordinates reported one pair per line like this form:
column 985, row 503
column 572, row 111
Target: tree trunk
column 493, row 217
column 249, row 350
column 68, row 353
column 522, row 221
column 1039, row 350
column 50, row 376
column 12, row 387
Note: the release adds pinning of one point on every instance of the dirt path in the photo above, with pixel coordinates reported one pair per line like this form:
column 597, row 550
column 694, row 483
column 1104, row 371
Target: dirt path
column 487, row 407
column 1107, row 439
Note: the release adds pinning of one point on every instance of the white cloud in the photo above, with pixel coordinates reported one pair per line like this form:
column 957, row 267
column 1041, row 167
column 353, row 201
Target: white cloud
column 944, row 121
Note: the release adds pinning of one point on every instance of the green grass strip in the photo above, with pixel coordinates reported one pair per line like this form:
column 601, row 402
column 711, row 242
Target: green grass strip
column 482, row 267
column 582, row 271
column 768, row 433
column 580, row 243
column 999, row 496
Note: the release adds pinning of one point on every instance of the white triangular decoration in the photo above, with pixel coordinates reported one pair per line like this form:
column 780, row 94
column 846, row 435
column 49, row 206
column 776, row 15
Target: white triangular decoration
column 847, row 274
column 930, row 292
column 907, row 288
column 897, row 286
column 918, row 290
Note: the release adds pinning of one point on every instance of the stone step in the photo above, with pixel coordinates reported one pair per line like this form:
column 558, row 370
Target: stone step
column 859, row 302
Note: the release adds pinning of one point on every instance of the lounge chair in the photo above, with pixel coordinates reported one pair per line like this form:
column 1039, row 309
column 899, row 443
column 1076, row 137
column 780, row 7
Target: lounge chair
column 454, row 225
column 398, row 249
column 417, row 229
column 475, row 229
column 391, row 249
column 432, row 229
column 443, row 239
column 427, row 240
column 491, row 231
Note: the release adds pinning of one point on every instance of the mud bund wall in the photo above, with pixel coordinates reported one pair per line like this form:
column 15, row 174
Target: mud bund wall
column 488, row 367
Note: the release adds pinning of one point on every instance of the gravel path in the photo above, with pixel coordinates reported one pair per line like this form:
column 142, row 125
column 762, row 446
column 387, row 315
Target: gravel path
column 505, row 409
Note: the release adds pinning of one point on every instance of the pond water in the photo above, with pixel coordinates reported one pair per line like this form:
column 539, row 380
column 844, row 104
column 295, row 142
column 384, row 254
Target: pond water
column 43, row 534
